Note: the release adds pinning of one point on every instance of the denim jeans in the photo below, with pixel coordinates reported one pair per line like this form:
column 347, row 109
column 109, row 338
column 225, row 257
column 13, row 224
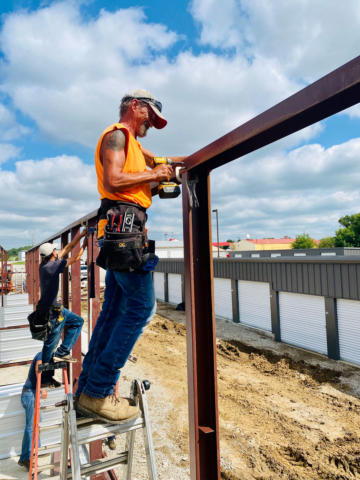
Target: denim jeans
column 73, row 324
column 129, row 305
column 28, row 402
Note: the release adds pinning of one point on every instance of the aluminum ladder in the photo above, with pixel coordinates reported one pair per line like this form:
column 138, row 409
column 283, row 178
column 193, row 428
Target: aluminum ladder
column 79, row 431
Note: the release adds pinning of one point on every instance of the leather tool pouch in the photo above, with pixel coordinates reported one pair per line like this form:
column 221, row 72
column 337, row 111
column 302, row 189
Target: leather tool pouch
column 39, row 324
column 124, row 244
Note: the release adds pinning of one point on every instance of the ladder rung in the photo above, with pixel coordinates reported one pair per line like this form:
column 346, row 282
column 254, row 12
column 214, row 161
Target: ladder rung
column 99, row 466
column 53, row 426
column 103, row 464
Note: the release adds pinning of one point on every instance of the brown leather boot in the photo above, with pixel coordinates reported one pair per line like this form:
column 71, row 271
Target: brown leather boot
column 110, row 409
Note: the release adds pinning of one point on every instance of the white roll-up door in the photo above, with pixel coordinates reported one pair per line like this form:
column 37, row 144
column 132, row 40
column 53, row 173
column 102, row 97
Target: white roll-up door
column 222, row 294
column 348, row 315
column 159, row 285
column 302, row 321
column 254, row 304
column 174, row 286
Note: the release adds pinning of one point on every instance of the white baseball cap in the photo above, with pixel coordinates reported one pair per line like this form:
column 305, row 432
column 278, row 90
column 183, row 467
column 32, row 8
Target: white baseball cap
column 156, row 106
column 46, row 249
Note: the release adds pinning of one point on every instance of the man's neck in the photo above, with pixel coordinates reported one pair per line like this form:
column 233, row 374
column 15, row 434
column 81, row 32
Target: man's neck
column 130, row 125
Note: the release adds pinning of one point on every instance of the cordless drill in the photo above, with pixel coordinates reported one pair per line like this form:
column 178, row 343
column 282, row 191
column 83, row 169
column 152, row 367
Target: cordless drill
column 168, row 189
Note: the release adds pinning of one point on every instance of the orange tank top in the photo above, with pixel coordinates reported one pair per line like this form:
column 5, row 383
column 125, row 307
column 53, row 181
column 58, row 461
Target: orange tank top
column 134, row 163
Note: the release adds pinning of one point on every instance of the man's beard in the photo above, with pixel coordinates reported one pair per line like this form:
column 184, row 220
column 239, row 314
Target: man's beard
column 144, row 127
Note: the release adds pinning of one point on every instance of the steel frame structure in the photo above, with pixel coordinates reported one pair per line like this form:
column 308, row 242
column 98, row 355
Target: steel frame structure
column 3, row 278
column 333, row 93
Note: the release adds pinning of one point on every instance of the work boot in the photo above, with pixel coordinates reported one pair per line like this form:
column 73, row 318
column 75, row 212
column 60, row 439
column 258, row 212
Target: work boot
column 110, row 409
column 111, row 443
column 50, row 383
column 24, row 463
column 66, row 358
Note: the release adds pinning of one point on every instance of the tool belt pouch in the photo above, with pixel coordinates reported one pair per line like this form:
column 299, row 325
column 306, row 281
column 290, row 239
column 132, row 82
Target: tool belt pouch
column 39, row 324
column 124, row 240
column 56, row 313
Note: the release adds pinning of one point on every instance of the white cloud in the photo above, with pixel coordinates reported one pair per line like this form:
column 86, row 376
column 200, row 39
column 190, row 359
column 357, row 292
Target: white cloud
column 305, row 38
column 8, row 152
column 68, row 74
column 41, row 197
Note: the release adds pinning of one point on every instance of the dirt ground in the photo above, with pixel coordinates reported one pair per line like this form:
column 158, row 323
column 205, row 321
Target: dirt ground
column 284, row 413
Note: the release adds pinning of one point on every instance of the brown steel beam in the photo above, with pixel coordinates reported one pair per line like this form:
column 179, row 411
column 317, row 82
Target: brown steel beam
column 36, row 283
column 76, row 303
column 200, row 328
column 331, row 94
column 2, row 251
column 65, row 277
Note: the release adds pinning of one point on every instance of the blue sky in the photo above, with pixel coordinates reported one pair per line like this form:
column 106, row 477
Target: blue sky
column 65, row 65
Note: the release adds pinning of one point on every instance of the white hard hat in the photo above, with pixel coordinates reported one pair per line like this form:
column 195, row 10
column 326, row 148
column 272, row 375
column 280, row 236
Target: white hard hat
column 46, row 249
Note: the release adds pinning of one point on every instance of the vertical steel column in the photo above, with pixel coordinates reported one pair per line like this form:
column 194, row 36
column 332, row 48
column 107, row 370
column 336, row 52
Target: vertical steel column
column 2, row 251
column 29, row 277
column 275, row 315
column 36, row 293
column 76, row 301
column 200, row 324
column 65, row 277
column 27, row 273
column 235, row 301
column 332, row 331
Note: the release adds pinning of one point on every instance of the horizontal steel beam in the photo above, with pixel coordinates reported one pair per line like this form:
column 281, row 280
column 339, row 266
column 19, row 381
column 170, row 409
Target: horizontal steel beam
column 334, row 92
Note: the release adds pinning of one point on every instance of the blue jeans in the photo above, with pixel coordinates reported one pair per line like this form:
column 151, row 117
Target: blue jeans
column 28, row 402
column 73, row 324
column 129, row 305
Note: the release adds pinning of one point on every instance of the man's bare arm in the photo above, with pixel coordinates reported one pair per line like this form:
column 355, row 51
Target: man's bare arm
column 67, row 249
column 112, row 154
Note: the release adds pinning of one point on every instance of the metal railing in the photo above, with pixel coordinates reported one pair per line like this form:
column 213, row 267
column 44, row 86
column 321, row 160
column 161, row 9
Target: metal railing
column 331, row 94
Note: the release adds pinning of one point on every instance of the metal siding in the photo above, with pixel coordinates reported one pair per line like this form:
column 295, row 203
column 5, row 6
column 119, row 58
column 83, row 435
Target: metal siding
column 174, row 286
column 254, row 304
column 12, row 419
column 159, row 286
column 223, row 299
column 17, row 345
column 353, row 282
column 337, row 281
column 348, row 316
column 16, row 299
column 331, row 282
column 15, row 315
column 302, row 321
column 345, row 280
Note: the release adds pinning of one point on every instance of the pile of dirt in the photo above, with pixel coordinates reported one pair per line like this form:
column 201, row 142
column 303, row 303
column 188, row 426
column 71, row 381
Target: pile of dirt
column 280, row 418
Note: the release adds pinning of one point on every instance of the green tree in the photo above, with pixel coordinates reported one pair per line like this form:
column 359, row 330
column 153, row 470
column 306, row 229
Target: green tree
column 349, row 235
column 303, row 241
column 327, row 242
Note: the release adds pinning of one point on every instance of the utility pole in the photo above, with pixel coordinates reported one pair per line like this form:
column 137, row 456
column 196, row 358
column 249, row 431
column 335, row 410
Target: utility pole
column 217, row 230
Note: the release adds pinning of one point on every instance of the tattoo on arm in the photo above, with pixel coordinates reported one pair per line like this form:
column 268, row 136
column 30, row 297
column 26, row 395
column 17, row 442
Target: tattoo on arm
column 116, row 140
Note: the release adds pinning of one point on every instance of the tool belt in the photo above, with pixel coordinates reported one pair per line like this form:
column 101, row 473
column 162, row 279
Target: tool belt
column 56, row 313
column 39, row 323
column 124, row 246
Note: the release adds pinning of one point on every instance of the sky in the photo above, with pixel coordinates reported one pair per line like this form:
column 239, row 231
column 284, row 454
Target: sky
column 65, row 65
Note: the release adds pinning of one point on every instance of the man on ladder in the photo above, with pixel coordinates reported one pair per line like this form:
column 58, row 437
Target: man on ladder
column 52, row 266
column 124, row 172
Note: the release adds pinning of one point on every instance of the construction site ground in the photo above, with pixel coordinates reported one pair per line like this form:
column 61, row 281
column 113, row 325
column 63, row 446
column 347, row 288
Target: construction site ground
column 284, row 413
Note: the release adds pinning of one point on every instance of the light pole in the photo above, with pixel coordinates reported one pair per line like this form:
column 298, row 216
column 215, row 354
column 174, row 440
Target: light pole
column 217, row 230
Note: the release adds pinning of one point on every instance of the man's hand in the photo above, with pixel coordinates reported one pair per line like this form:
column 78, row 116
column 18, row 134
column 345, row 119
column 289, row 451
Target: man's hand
column 163, row 173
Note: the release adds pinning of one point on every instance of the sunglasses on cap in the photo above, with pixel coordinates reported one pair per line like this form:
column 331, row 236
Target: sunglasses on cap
column 156, row 103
